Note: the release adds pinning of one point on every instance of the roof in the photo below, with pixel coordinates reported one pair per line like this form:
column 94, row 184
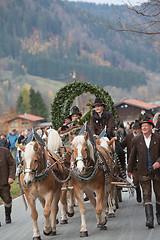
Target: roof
column 137, row 103
column 27, row 116
column 31, row 117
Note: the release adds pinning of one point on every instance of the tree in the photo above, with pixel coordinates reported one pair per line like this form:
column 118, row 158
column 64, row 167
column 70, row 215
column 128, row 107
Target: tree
column 145, row 19
column 31, row 102
column 23, row 102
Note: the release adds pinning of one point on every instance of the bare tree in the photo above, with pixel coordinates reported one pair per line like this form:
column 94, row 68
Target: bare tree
column 144, row 19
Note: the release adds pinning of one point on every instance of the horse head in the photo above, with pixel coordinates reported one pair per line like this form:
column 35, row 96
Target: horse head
column 83, row 152
column 32, row 161
column 106, row 143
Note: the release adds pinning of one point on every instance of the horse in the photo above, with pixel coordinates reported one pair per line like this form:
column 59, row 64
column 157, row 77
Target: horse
column 39, row 183
column 89, row 176
column 55, row 146
column 103, row 145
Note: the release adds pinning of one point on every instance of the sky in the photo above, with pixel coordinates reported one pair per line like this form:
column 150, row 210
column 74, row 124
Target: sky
column 119, row 2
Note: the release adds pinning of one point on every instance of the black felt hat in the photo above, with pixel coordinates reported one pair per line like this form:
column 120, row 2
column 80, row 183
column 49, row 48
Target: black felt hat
column 98, row 102
column 136, row 124
column 147, row 120
column 75, row 110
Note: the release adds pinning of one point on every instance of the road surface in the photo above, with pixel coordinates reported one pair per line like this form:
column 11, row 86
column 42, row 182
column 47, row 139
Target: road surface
column 129, row 224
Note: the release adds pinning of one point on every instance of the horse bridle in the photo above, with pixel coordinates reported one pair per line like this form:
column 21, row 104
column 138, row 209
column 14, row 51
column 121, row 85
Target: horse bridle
column 31, row 170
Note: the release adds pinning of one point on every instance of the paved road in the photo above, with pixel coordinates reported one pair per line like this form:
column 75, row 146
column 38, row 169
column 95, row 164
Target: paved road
column 129, row 224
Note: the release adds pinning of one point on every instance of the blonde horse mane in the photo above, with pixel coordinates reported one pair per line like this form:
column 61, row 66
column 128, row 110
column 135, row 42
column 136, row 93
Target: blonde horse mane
column 54, row 140
column 29, row 151
column 104, row 142
column 80, row 139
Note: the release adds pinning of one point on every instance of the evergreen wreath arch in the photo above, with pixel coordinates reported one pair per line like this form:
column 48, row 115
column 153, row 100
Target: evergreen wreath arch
column 65, row 96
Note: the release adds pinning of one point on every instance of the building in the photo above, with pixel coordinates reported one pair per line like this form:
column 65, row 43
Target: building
column 22, row 122
column 129, row 109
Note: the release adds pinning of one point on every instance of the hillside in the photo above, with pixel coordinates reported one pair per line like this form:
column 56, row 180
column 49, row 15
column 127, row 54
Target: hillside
column 49, row 39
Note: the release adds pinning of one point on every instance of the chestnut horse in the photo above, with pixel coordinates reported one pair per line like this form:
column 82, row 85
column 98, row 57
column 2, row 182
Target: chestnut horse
column 103, row 145
column 55, row 146
column 39, row 182
column 88, row 175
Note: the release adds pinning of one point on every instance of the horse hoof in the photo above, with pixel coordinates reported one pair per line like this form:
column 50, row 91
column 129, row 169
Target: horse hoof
column 111, row 215
column 63, row 221
column 84, row 234
column 53, row 233
column 70, row 214
column 103, row 227
column 37, row 238
column 47, row 234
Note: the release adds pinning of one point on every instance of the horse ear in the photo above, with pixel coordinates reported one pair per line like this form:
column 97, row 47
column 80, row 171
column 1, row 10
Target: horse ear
column 112, row 141
column 98, row 142
column 59, row 130
column 86, row 136
column 21, row 147
column 35, row 147
column 71, row 137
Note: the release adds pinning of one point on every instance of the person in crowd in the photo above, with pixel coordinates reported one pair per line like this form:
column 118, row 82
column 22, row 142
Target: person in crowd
column 40, row 132
column 127, row 128
column 74, row 114
column 13, row 137
column 3, row 141
column 7, row 176
column 101, row 118
column 67, row 121
column 146, row 148
column 21, row 139
column 127, row 143
column 143, row 114
column 71, row 121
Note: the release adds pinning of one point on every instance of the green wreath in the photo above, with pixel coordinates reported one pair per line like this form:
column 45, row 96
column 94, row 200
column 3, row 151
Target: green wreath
column 65, row 96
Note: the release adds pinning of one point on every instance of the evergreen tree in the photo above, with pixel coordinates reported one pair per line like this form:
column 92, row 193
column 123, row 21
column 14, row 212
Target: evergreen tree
column 23, row 102
column 31, row 102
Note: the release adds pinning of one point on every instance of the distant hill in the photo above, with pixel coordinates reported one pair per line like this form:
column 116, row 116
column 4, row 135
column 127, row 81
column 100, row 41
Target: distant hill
column 51, row 38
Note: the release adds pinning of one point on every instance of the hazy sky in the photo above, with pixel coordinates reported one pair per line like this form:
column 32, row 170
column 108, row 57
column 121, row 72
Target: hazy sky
column 136, row 2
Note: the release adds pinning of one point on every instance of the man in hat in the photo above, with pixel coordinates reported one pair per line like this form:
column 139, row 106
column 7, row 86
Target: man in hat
column 143, row 114
column 101, row 118
column 75, row 113
column 7, row 176
column 66, row 123
column 128, row 143
column 146, row 148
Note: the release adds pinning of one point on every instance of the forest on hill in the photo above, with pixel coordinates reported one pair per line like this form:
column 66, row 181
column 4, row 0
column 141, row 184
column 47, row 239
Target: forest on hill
column 51, row 38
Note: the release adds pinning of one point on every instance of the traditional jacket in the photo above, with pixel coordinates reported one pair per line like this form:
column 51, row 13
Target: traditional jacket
column 139, row 151
column 128, row 142
column 97, row 124
column 7, row 166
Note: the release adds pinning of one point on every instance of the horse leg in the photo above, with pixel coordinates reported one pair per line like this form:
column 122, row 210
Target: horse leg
column 63, row 200
column 82, row 209
column 91, row 196
column 46, row 212
column 70, row 211
column 101, row 208
column 34, row 215
column 111, row 206
column 54, row 210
